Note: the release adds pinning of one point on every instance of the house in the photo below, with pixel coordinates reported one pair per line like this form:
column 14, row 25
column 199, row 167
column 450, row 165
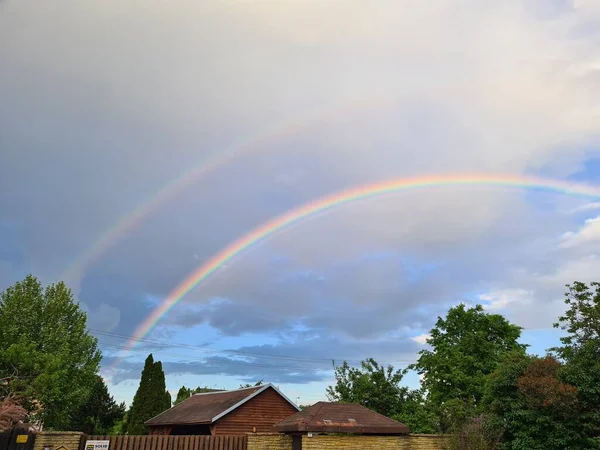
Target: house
column 326, row 417
column 250, row 410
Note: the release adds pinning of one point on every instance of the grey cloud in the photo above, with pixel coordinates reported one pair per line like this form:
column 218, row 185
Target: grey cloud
column 330, row 96
column 288, row 362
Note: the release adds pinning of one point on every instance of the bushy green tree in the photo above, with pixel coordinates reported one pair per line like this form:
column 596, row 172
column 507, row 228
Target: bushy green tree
column 531, row 408
column 100, row 413
column 150, row 399
column 46, row 353
column 580, row 351
column 374, row 386
column 467, row 346
column 379, row 388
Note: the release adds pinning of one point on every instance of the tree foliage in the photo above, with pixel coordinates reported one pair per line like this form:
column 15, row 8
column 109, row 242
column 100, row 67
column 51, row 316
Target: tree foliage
column 150, row 399
column 185, row 392
column 11, row 412
column 580, row 351
column 530, row 407
column 100, row 413
column 46, row 351
column 374, row 386
column 467, row 345
column 248, row 385
column 379, row 388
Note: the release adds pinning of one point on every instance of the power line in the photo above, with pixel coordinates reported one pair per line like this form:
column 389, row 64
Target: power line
column 229, row 361
column 234, row 352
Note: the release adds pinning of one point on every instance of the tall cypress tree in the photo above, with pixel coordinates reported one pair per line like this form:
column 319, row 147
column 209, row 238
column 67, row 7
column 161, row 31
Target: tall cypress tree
column 151, row 398
column 162, row 399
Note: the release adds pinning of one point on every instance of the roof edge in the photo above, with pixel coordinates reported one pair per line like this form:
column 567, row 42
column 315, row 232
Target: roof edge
column 250, row 397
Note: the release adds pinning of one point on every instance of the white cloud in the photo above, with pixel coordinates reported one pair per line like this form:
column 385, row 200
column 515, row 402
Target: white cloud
column 498, row 300
column 589, row 233
column 585, row 207
column 421, row 339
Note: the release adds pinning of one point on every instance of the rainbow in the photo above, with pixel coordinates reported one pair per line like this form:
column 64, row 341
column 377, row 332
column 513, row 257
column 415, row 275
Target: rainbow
column 335, row 200
column 74, row 272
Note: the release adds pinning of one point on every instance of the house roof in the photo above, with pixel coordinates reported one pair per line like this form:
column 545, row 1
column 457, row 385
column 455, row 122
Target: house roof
column 208, row 407
column 340, row 418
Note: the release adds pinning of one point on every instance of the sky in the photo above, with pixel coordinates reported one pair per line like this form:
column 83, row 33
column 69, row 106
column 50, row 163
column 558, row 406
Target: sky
column 140, row 138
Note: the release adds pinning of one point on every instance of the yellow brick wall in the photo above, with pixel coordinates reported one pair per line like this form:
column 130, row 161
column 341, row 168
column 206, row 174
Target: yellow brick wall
column 260, row 441
column 55, row 439
column 330, row 442
column 426, row 442
column 355, row 443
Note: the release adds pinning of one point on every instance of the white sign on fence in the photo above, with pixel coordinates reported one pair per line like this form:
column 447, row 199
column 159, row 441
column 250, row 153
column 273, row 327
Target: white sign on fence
column 96, row 445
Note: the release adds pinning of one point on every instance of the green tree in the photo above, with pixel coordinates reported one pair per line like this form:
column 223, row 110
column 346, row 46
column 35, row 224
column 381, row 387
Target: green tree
column 529, row 407
column 185, row 392
column 374, row 386
column 120, row 427
column 379, row 388
column 182, row 394
column 248, row 385
column 467, row 346
column 46, row 353
column 100, row 413
column 150, row 399
column 580, row 351
column 415, row 412
column 163, row 401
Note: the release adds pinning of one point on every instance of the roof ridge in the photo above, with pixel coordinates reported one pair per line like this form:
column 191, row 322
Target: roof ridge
column 316, row 411
column 233, row 390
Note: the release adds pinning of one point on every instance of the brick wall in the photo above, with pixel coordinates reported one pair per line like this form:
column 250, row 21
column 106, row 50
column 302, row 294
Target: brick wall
column 269, row 441
column 355, row 443
column 330, row 442
column 55, row 439
column 426, row 441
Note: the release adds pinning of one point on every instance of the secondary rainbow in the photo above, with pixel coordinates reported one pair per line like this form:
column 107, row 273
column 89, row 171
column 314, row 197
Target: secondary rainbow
column 253, row 142
column 335, row 200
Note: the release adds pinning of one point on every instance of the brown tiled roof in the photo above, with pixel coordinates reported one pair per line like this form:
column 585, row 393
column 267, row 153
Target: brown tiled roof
column 202, row 408
column 340, row 418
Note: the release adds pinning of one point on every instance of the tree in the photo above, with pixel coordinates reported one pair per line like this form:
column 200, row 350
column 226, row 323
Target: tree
column 46, row 351
column 415, row 412
column 163, row 397
column 185, row 392
column 580, row 352
column 11, row 412
column 100, row 413
column 374, row 386
column 120, row 427
column 466, row 347
column 378, row 388
column 530, row 407
column 182, row 394
column 248, row 385
column 150, row 399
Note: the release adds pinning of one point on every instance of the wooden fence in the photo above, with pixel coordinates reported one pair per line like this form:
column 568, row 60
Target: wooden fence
column 171, row 442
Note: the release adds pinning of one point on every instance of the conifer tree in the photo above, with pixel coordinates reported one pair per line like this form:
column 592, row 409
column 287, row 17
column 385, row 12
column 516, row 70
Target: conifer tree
column 151, row 398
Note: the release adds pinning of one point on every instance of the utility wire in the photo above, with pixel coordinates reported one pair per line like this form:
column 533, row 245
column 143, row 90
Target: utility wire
column 233, row 352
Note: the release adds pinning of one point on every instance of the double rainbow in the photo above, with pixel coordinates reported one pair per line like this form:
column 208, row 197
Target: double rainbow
column 332, row 201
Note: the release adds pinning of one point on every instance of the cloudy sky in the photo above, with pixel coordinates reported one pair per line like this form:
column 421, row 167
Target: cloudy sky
column 139, row 138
